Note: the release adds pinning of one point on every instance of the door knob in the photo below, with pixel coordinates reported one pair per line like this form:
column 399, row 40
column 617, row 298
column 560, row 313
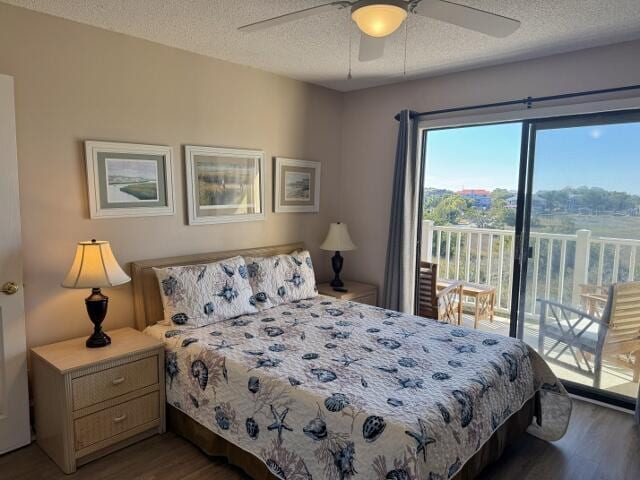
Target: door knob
column 9, row 288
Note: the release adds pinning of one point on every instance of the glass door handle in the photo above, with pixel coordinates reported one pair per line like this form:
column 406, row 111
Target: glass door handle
column 530, row 252
column 9, row 288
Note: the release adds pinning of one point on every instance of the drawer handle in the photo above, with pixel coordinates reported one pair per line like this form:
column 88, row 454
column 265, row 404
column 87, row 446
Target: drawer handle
column 118, row 381
column 120, row 418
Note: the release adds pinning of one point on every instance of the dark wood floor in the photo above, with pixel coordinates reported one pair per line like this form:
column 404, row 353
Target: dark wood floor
column 600, row 444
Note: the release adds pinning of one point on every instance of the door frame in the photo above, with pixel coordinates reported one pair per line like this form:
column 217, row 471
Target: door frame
column 529, row 118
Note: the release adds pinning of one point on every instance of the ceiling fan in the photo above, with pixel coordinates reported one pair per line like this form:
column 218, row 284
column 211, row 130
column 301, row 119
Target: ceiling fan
column 378, row 19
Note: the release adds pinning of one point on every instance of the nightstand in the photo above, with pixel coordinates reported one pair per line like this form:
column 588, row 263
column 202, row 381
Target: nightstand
column 92, row 401
column 357, row 292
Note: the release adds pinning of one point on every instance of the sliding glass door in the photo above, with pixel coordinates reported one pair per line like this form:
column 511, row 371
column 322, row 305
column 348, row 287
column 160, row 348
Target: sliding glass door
column 579, row 302
column 468, row 218
column 539, row 220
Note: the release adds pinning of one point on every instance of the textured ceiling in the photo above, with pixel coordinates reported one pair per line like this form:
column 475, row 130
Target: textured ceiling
column 316, row 49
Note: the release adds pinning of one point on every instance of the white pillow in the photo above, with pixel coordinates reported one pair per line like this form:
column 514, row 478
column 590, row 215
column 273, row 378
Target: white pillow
column 198, row 295
column 281, row 278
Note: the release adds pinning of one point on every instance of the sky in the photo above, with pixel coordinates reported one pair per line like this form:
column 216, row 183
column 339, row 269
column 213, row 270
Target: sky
column 488, row 156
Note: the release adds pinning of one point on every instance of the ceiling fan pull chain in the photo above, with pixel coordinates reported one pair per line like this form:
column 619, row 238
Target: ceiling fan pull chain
column 349, row 76
column 406, row 35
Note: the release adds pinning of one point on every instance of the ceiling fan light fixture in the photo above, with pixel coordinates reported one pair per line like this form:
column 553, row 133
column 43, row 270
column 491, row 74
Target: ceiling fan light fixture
column 379, row 18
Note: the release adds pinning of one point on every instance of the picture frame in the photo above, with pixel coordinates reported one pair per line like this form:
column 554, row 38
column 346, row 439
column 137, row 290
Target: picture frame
column 224, row 185
column 297, row 185
column 129, row 179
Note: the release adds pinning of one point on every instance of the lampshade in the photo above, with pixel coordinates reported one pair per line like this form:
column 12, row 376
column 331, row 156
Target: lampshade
column 379, row 18
column 94, row 266
column 338, row 239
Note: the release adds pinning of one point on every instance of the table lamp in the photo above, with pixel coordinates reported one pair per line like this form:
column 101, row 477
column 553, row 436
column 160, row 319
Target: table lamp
column 94, row 266
column 338, row 240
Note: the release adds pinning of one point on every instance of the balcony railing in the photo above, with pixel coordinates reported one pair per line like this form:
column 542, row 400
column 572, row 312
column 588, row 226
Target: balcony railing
column 558, row 269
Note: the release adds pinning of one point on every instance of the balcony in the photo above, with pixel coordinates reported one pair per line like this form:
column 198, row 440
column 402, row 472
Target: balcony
column 572, row 270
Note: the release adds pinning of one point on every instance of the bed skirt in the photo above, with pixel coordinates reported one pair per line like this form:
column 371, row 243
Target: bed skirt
column 216, row 446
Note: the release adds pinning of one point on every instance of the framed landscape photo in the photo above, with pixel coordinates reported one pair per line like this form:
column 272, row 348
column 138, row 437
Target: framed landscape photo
column 224, row 185
column 129, row 179
column 297, row 185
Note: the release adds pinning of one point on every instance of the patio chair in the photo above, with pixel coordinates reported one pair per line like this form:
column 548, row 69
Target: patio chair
column 583, row 335
column 445, row 305
column 593, row 298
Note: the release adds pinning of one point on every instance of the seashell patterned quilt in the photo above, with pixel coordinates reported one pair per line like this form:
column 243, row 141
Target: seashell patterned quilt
column 328, row 389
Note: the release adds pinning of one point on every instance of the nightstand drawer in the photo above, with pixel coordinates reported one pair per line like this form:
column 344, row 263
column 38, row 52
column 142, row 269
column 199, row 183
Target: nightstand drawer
column 103, row 385
column 112, row 421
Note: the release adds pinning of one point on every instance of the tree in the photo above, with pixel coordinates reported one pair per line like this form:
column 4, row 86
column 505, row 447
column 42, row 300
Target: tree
column 448, row 211
column 500, row 194
column 588, row 200
column 498, row 216
column 480, row 218
column 510, row 217
column 498, row 211
column 555, row 200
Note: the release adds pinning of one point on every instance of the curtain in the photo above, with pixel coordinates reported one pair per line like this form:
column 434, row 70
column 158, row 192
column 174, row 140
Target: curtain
column 400, row 271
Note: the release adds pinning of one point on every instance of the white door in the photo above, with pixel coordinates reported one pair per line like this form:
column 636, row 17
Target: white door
column 14, row 399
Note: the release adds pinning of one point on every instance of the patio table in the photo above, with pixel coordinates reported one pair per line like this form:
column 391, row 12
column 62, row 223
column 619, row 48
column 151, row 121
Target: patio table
column 484, row 298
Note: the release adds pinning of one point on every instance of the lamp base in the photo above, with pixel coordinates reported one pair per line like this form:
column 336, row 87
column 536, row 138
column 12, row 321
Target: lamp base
column 336, row 264
column 97, row 304
column 98, row 339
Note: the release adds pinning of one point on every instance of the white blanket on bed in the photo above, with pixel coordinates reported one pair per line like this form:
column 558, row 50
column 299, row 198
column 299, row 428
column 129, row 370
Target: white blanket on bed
column 328, row 389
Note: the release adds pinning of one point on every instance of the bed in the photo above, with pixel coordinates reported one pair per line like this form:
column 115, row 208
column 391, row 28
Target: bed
column 328, row 389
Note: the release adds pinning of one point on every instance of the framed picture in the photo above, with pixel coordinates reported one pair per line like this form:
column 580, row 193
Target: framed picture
column 224, row 185
column 297, row 186
column 129, row 179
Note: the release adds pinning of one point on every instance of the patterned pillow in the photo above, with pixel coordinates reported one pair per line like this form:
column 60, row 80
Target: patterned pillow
column 198, row 295
column 281, row 278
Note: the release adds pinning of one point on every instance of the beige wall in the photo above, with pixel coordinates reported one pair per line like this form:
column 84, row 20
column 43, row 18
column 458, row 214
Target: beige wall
column 75, row 82
column 369, row 134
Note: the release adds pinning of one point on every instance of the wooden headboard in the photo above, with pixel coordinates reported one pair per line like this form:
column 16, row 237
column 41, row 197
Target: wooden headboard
column 147, row 303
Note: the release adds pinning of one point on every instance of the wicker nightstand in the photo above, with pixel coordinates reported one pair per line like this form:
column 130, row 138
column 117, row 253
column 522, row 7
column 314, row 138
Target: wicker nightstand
column 90, row 402
column 356, row 292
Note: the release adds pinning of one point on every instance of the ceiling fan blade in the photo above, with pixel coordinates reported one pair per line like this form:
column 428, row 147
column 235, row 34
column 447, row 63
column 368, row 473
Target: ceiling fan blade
column 290, row 17
column 468, row 17
column 371, row 48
